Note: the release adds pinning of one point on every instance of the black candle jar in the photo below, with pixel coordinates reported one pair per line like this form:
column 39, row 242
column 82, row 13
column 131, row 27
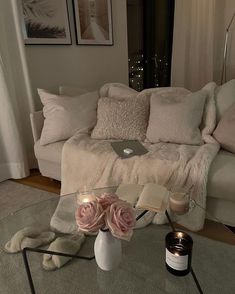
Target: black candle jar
column 178, row 253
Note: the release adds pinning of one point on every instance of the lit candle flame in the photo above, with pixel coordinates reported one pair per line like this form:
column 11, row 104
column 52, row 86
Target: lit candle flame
column 180, row 235
column 85, row 198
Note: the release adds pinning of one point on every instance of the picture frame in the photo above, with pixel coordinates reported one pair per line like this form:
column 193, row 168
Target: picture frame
column 45, row 22
column 93, row 22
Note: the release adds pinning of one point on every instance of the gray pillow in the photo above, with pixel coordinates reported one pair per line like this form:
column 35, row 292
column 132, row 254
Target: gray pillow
column 176, row 119
column 225, row 130
column 124, row 118
column 66, row 115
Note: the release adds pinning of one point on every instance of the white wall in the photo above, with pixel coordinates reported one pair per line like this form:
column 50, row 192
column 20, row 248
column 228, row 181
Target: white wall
column 86, row 66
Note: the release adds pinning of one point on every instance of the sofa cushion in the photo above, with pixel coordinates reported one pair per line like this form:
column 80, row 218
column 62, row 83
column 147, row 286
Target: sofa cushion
column 121, row 92
column 176, row 118
column 221, row 210
column 224, row 98
column 122, row 118
column 116, row 90
column 51, row 152
column 224, row 133
column 221, row 178
column 71, row 91
column 64, row 116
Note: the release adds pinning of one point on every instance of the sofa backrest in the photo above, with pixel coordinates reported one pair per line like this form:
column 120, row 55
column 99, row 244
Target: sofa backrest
column 71, row 90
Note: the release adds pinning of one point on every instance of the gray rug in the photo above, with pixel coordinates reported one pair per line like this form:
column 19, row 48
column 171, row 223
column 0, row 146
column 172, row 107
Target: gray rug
column 14, row 196
column 142, row 270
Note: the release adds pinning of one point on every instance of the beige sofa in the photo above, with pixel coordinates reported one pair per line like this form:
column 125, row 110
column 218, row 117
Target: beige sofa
column 221, row 179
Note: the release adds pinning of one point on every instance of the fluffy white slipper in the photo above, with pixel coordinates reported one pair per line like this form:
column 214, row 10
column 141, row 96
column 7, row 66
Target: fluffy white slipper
column 28, row 237
column 69, row 245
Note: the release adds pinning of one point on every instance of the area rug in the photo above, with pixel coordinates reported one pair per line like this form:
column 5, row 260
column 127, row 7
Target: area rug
column 142, row 270
column 141, row 258
column 14, row 196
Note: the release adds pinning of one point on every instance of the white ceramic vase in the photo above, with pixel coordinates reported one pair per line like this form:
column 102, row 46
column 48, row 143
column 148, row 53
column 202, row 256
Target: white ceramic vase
column 108, row 250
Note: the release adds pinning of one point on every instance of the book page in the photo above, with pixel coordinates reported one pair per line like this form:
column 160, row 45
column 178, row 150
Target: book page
column 129, row 192
column 153, row 197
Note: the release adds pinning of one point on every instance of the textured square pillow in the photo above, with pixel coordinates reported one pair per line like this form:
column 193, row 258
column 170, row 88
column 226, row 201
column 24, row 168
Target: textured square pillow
column 124, row 118
column 175, row 118
column 225, row 130
column 66, row 115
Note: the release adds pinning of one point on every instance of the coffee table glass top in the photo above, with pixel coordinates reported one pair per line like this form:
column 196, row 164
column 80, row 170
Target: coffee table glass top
column 142, row 269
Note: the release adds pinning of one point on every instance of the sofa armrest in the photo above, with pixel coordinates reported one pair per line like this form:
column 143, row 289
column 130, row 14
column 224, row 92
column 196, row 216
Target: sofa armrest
column 37, row 120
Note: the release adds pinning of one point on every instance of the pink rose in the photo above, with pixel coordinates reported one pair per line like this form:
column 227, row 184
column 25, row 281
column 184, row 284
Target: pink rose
column 106, row 199
column 120, row 218
column 90, row 217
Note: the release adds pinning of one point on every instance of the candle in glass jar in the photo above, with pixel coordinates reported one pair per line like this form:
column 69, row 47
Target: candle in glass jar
column 85, row 197
column 178, row 253
column 179, row 203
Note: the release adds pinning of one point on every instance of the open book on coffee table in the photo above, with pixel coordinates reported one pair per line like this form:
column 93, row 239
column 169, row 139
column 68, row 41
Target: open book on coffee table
column 152, row 197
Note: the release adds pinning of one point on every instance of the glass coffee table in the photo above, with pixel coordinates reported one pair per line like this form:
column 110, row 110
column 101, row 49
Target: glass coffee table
column 141, row 271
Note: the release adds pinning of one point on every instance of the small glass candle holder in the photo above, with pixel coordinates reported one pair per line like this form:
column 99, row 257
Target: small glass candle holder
column 178, row 253
column 85, row 196
column 179, row 203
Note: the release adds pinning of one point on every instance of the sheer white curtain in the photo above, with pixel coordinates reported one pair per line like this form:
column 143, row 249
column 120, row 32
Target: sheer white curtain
column 193, row 43
column 15, row 97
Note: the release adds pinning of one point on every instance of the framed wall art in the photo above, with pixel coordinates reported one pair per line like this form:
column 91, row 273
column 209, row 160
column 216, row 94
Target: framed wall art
column 93, row 21
column 45, row 22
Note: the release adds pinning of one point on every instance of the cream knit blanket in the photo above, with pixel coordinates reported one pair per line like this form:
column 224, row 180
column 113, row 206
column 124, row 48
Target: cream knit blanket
column 92, row 163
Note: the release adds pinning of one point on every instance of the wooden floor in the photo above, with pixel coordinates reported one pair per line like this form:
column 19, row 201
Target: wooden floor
column 36, row 180
column 216, row 231
column 212, row 230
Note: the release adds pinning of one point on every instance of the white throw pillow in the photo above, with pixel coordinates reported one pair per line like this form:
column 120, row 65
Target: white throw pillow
column 176, row 119
column 71, row 91
column 224, row 98
column 224, row 133
column 64, row 116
